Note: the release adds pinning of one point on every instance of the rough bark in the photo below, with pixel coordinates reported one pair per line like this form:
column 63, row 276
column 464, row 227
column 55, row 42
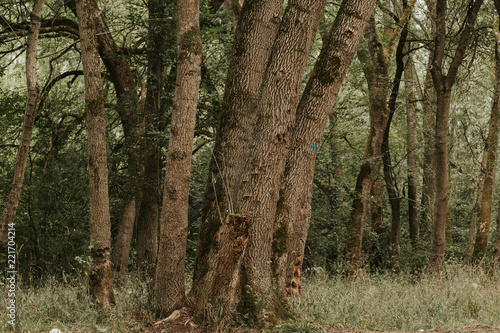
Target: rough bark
column 255, row 34
column 378, row 246
column 100, row 275
column 170, row 286
column 443, row 84
column 147, row 219
column 379, row 117
column 133, row 127
column 411, row 156
column 10, row 209
column 294, row 206
column 262, row 173
column 489, row 170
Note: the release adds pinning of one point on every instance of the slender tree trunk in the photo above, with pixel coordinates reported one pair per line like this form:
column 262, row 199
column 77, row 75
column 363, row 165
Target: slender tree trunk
column 443, row 85
column 255, row 34
column 133, row 127
column 378, row 247
column 170, row 275
column 478, row 191
column 147, row 219
column 490, row 157
column 100, row 275
column 294, row 206
column 377, row 79
column 10, row 209
column 411, row 158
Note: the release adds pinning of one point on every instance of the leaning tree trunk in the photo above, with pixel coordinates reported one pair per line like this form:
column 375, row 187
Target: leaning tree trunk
column 100, row 275
column 260, row 181
column 294, row 206
column 170, row 275
column 490, row 157
column 10, row 209
column 255, row 34
column 443, row 84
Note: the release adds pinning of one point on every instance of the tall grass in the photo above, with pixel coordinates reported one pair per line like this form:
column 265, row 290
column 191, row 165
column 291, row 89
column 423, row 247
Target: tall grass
column 457, row 298
column 67, row 308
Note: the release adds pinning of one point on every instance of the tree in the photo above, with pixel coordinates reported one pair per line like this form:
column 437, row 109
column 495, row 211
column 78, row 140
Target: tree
column 170, row 287
column 100, row 274
column 147, row 219
column 294, row 205
column 443, row 84
column 377, row 78
column 257, row 186
column 10, row 209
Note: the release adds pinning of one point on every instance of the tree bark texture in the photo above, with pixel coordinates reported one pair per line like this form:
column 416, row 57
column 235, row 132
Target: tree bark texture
column 262, row 179
column 378, row 246
column 377, row 77
column 255, row 34
column 489, row 170
column 133, row 127
column 294, row 206
column 262, row 172
column 411, row 156
column 100, row 275
column 443, row 85
column 170, row 286
column 147, row 219
column 10, row 209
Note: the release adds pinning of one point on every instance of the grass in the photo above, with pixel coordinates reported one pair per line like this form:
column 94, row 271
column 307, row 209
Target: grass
column 458, row 298
column 67, row 308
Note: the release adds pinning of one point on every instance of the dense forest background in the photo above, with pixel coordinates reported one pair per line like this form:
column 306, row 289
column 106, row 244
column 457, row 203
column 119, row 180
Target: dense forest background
column 52, row 221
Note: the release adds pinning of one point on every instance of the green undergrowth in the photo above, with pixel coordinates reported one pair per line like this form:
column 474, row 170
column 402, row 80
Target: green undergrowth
column 458, row 298
column 380, row 302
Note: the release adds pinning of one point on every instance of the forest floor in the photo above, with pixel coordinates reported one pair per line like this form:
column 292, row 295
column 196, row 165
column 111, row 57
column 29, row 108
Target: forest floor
column 185, row 324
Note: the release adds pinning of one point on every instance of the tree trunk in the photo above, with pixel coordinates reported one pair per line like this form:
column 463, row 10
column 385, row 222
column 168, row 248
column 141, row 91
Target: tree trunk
column 133, row 127
column 294, row 206
column 100, row 275
column 170, row 275
column 411, row 158
column 260, row 181
column 255, row 34
column 377, row 77
column 378, row 247
column 10, row 209
column 490, row 156
column 147, row 219
column 443, row 85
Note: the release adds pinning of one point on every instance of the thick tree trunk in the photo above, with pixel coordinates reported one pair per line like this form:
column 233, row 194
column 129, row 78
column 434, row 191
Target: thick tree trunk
column 170, row 275
column 255, row 34
column 443, row 85
column 147, row 219
column 294, row 206
column 411, row 158
column 100, row 275
column 10, row 209
column 490, row 157
column 260, row 181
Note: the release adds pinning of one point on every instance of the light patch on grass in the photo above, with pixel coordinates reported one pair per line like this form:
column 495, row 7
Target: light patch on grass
column 455, row 299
